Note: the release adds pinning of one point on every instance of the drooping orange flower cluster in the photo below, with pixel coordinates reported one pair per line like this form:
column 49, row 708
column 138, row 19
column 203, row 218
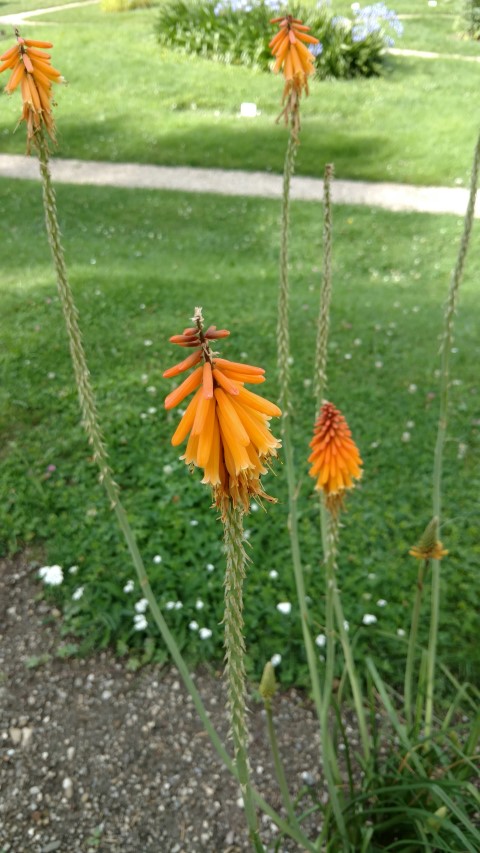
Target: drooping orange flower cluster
column 296, row 60
column 335, row 458
column 32, row 71
column 429, row 546
column 227, row 425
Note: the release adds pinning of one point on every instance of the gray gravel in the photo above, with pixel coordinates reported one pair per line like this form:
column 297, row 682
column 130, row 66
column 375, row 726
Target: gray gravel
column 96, row 758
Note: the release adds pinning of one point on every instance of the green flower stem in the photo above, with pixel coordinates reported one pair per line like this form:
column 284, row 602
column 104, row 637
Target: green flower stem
column 277, row 761
column 330, row 760
column 442, row 427
column 90, row 422
column 352, row 673
column 412, row 641
column 326, row 291
column 235, row 660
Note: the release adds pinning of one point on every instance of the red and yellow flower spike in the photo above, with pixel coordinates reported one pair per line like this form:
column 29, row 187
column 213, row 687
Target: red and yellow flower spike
column 296, row 61
column 335, row 458
column 227, row 425
column 32, row 71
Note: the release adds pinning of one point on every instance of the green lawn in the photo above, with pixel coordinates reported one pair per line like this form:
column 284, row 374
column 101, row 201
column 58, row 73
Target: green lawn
column 139, row 262
column 127, row 100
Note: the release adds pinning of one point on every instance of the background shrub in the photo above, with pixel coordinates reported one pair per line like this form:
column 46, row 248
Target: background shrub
column 472, row 18
column 238, row 32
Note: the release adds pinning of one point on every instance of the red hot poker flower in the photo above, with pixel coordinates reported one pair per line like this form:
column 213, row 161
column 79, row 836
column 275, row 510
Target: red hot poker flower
column 32, row 71
column 227, row 426
column 335, row 458
column 291, row 55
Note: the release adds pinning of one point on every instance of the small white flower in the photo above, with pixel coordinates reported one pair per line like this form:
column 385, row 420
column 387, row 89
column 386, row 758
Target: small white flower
column 273, row 574
column 210, row 567
column 193, row 625
column 144, row 377
column 152, row 410
column 406, row 437
column 77, row 594
column 178, row 605
column 375, row 444
column 141, row 605
column 170, row 605
column 357, row 342
column 291, row 359
column 51, row 575
column 246, row 534
column 462, row 449
column 139, row 622
column 379, row 364
column 147, row 343
column 284, row 607
column 73, row 570
column 276, row 659
column 400, row 632
column 410, row 424
column 129, row 586
column 51, row 375
column 346, row 625
column 382, row 602
column 194, row 522
column 348, row 356
column 369, row 619
column 143, row 415
column 320, row 641
column 168, row 469
column 151, row 389
column 371, row 576
column 204, row 633
column 199, row 605
column 412, row 388
column 254, row 506
column 157, row 559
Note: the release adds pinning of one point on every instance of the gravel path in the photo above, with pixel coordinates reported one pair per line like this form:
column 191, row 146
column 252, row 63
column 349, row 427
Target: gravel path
column 397, row 197
column 96, row 758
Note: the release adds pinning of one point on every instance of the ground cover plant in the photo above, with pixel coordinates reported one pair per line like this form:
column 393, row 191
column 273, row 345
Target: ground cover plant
column 197, row 102
column 231, row 239
column 429, row 793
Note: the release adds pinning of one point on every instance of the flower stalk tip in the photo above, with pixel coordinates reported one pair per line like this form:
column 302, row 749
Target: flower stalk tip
column 429, row 546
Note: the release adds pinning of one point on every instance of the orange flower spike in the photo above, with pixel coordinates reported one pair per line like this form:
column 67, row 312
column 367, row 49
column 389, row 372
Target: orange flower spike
column 31, row 69
column 335, row 458
column 228, row 433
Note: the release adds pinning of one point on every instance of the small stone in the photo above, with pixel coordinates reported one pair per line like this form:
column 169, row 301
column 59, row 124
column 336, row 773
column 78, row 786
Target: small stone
column 15, row 735
column 70, row 753
column 26, row 736
column 67, row 786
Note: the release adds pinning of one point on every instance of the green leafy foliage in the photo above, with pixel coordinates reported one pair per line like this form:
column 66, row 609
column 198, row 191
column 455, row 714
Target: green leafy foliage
column 239, row 33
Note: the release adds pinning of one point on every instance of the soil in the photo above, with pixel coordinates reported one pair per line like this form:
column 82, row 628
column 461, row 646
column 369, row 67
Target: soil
column 94, row 757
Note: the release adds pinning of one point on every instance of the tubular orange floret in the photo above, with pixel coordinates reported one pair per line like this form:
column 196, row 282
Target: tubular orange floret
column 297, row 62
column 191, row 361
column 227, row 427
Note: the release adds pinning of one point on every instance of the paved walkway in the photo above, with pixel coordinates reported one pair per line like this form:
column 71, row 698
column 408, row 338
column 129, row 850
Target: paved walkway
column 20, row 18
column 397, row 197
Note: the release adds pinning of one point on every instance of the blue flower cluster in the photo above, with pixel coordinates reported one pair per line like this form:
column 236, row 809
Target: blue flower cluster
column 246, row 5
column 375, row 19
